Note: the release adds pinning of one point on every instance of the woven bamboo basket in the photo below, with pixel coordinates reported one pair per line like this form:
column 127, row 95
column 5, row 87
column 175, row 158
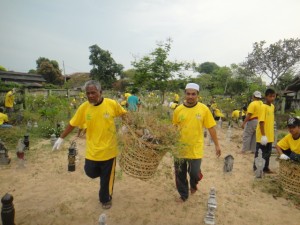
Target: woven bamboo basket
column 289, row 174
column 139, row 161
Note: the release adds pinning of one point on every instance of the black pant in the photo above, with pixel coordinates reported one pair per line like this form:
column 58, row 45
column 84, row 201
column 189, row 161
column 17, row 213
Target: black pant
column 182, row 167
column 106, row 171
column 266, row 154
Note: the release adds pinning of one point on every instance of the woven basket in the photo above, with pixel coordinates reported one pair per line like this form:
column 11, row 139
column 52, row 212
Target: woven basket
column 139, row 161
column 289, row 173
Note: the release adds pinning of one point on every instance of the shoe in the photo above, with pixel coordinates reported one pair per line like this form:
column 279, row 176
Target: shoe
column 193, row 191
column 269, row 172
column 180, row 200
column 107, row 205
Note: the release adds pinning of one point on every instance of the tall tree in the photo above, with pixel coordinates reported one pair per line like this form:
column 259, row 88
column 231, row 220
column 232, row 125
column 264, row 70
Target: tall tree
column 105, row 69
column 275, row 60
column 50, row 70
column 207, row 67
column 154, row 71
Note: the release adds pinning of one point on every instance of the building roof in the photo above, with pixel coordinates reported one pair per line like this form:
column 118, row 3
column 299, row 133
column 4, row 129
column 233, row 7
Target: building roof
column 27, row 79
column 294, row 85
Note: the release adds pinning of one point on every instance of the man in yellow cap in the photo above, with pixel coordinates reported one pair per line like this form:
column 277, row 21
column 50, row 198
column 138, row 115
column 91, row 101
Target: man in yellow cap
column 191, row 118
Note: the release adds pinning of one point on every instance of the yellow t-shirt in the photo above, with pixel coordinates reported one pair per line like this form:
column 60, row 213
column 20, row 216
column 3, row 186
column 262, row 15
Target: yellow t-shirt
column 235, row 114
column 176, row 97
column 3, row 118
column 173, row 105
column 9, row 99
column 126, row 95
column 191, row 122
column 101, row 139
column 266, row 114
column 289, row 143
column 218, row 113
column 254, row 108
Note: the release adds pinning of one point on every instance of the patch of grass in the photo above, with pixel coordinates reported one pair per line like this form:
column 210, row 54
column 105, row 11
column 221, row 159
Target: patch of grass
column 271, row 185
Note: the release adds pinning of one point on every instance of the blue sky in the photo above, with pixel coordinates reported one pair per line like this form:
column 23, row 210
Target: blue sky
column 220, row 31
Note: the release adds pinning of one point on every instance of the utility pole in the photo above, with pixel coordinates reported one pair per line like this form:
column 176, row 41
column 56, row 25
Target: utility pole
column 64, row 71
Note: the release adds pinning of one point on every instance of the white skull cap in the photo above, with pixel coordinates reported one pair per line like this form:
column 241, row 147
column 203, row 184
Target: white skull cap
column 192, row 86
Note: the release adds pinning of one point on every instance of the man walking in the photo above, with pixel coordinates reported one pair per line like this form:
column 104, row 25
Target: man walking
column 250, row 123
column 191, row 118
column 265, row 129
column 98, row 114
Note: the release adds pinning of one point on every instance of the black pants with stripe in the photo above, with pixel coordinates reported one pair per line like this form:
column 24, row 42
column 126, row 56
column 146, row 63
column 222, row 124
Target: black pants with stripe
column 182, row 167
column 106, row 171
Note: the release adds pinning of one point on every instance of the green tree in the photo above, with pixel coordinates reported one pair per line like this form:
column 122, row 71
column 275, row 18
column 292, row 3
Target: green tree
column 2, row 68
column 154, row 71
column 50, row 70
column 105, row 69
column 207, row 67
column 32, row 71
column 275, row 60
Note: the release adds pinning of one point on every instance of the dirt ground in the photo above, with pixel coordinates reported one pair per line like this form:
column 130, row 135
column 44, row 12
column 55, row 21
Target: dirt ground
column 46, row 193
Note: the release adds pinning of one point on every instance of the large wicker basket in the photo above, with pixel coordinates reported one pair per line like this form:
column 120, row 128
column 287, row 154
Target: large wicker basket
column 289, row 174
column 139, row 161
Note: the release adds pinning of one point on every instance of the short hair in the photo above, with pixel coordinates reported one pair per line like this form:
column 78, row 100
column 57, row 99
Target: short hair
column 93, row 83
column 269, row 91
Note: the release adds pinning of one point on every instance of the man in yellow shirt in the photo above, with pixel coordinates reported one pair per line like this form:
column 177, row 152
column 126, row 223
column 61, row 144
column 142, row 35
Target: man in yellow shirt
column 191, row 118
column 250, row 123
column 4, row 119
column 265, row 129
column 10, row 100
column 176, row 98
column 289, row 146
column 98, row 114
column 235, row 115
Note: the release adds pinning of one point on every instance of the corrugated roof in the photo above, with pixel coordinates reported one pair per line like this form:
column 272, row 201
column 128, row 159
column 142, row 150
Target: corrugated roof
column 21, row 77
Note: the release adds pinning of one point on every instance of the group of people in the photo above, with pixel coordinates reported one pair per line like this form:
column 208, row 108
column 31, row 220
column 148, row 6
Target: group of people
column 130, row 101
column 259, row 131
column 98, row 114
column 9, row 108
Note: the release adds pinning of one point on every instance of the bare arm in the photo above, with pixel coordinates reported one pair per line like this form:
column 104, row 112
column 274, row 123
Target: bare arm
column 68, row 130
column 279, row 150
column 262, row 128
column 246, row 119
column 214, row 137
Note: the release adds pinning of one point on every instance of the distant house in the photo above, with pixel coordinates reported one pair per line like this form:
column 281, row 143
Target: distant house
column 27, row 79
column 292, row 94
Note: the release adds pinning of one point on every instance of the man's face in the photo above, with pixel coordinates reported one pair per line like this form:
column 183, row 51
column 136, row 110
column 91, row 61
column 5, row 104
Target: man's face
column 294, row 130
column 93, row 95
column 191, row 96
column 270, row 98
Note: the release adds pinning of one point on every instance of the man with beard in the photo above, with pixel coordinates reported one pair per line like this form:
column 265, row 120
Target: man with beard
column 191, row 118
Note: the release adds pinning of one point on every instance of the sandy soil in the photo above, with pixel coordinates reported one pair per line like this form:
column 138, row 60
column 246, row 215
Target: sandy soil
column 46, row 193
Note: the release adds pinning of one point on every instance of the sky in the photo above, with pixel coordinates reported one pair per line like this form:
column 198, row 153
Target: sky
column 220, row 31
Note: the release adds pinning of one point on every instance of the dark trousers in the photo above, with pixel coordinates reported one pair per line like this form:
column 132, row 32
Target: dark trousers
column 182, row 167
column 266, row 154
column 106, row 171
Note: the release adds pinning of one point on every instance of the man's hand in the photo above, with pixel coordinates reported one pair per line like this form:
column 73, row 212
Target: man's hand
column 218, row 151
column 264, row 140
column 243, row 125
column 57, row 144
column 284, row 157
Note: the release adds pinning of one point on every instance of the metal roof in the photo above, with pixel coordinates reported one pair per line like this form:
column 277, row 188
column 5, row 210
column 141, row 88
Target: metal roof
column 21, row 77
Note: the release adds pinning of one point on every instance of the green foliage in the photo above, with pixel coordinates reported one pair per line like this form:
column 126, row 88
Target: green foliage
column 32, row 71
column 105, row 69
column 50, row 70
column 2, row 68
column 275, row 60
column 154, row 71
column 52, row 108
column 207, row 67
